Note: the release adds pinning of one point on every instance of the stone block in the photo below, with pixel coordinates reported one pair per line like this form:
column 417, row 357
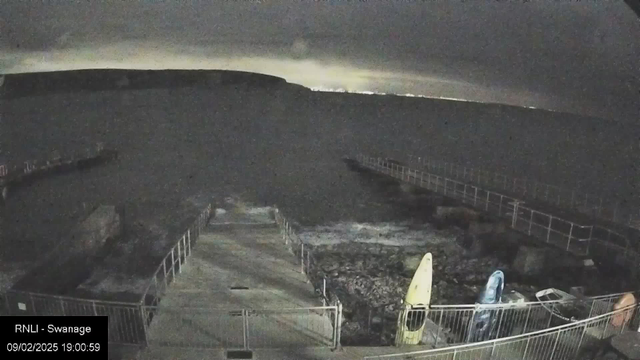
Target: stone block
column 529, row 260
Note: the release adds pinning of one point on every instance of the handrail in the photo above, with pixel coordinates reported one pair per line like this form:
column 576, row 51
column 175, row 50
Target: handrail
column 510, row 338
column 69, row 298
column 576, row 199
column 527, row 303
column 196, row 227
column 506, row 206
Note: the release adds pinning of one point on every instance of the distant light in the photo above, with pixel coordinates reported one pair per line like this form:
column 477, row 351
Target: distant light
column 341, row 90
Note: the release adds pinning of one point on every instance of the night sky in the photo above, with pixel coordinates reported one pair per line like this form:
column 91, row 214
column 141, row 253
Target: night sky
column 575, row 56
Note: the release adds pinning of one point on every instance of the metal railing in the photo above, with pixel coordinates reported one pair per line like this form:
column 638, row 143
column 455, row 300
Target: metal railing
column 574, row 199
column 26, row 167
column 448, row 325
column 208, row 328
column 126, row 324
column 562, row 342
column 304, row 253
column 606, row 242
column 173, row 262
column 549, row 228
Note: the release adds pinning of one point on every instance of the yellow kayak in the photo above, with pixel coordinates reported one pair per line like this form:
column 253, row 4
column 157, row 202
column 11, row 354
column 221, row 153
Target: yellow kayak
column 413, row 315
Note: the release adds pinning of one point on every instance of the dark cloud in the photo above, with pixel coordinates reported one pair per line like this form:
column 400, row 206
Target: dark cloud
column 571, row 56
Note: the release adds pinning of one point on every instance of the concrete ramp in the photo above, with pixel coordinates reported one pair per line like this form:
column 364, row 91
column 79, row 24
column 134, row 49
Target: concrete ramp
column 242, row 289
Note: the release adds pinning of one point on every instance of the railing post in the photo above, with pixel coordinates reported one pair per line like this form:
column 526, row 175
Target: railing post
column 439, row 328
column 486, row 208
column 164, row 268
column 62, row 307
column 606, row 325
column 555, row 345
column 499, row 323
column 95, row 311
column 338, row 326
column 570, row 234
column 189, row 241
column 245, row 329
column 526, row 348
column 302, row 258
column 324, row 291
column 582, row 336
column 173, row 265
column 179, row 259
column 475, row 197
column 549, row 229
column 514, row 216
column 184, row 248
column 500, row 206
column 155, row 283
column 526, row 321
column 531, row 221
column 143, row 317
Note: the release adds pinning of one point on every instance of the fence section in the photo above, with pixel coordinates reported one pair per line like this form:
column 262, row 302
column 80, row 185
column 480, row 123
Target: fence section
column 15, row 170
column 303, row 252
column 208, row 328
column 174, row 261
column 574, row 199
column 551, row 229
column 447, row 325
column 125, row 319
column 320, row 282
column 128, row 322
column 566, row 341
column 612, row 245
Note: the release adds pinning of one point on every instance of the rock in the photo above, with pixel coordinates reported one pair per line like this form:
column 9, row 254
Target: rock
column 64, row 266
column 433, row 335
column 459, row 212
column 479, row 228
column 410, row 263
column 529, row 260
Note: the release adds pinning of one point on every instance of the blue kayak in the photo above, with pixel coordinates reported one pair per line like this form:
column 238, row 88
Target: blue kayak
column 482, row 323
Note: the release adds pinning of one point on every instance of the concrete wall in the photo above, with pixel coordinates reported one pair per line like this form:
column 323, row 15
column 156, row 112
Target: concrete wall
column 70, row 262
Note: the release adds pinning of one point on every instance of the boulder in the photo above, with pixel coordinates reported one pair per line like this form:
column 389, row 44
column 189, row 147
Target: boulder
column 410, row 263
column 444, row 212
column 433, row 336
column 89, row 236
column 64, row 268
column 479, row 228
column 529, row 260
